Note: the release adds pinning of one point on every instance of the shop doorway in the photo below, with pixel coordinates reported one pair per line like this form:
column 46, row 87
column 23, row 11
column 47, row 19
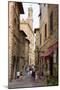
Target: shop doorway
column 13, row 67
column 16, row 67
column 51, row 65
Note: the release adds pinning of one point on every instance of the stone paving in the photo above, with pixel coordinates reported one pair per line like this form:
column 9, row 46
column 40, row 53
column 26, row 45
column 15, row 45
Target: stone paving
column 27, row 82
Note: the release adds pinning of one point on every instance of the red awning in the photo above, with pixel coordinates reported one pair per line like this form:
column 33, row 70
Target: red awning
column 49, row 51
column 46, row 54
column 53, row 47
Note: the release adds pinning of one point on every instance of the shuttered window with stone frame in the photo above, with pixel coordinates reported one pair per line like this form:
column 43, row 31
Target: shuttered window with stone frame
column 40, row 38
column 51, row 22
column 45, row 31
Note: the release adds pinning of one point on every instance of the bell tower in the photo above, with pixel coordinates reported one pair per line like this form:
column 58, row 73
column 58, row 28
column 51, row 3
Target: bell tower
column 30, row 17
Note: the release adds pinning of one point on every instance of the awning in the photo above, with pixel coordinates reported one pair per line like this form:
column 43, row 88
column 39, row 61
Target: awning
column 46, row 53
column 53, row 47
column 49, row 51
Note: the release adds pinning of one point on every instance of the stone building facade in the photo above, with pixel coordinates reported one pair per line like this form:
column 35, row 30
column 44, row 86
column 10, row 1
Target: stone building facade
column 22, row 51
column 37, row 46
column 30, row 17
column 26, row 26
column 44, row 33
column 16, row 39
column 48, row 50
column 27, row 42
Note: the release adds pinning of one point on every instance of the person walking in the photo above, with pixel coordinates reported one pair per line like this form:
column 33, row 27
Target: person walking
column 18, row 74
column 36, row 76
column 33, row 74
column 30, row 72
column 21, row 75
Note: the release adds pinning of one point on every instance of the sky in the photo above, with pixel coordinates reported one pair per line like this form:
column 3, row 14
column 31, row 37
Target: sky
column 35, row 8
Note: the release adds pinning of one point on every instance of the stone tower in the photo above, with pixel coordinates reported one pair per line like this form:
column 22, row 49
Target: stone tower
column 30, row 17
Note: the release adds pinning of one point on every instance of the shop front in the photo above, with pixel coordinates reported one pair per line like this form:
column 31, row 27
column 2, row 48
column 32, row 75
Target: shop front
column 49, row 61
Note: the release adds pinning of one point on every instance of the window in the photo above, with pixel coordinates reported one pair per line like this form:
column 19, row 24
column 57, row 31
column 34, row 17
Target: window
column 45, row 31
column 29, row 14
column 44, row 4
column 40, row 13
column 13, row 60
column 40, row 38
column 57, row 57
column 51, row 22
column 14, row 20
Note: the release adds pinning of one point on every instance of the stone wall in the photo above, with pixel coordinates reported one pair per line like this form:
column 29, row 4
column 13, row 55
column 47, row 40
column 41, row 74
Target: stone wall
column 52, row 37
column 26, row 28
column 14, row 38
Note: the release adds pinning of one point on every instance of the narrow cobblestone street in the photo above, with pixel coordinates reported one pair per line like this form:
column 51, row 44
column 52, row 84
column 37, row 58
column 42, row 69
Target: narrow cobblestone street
column 27, row 82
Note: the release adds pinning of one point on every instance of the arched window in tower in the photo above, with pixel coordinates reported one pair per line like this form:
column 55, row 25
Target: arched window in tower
column 30, row 11
column 29, row 14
